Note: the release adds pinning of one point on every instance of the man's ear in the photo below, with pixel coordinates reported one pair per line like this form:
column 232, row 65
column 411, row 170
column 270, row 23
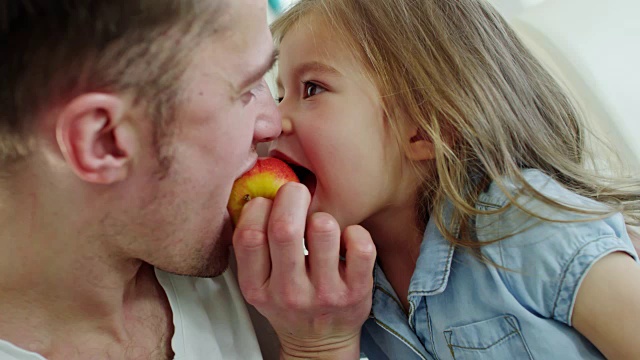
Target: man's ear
column 95, row 137
column 420, row 146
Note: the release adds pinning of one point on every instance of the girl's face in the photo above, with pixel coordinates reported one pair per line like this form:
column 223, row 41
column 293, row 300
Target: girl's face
column 333, row 126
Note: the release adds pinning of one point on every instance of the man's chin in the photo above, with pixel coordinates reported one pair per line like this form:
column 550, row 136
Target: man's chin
column 210, row 259
column 204, row 271
column 214, row 263
column 214, row 266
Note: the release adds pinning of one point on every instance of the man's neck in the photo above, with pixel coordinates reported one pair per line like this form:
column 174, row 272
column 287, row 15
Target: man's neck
column 63, row 294
column 61, row 327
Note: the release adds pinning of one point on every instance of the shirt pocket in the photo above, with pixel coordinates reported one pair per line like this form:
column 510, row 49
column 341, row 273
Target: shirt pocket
column 497, row 338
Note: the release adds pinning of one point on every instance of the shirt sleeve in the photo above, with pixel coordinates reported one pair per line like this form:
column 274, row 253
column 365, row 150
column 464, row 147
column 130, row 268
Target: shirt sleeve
column 544, row 263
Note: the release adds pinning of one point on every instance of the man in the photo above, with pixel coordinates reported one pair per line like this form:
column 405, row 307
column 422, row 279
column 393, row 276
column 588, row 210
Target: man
column 123, row 124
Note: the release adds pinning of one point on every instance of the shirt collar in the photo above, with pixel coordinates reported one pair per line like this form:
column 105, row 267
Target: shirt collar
column 434, row 262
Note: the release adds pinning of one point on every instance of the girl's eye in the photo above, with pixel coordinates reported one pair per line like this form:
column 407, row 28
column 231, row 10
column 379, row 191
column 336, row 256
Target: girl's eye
column 311, row 89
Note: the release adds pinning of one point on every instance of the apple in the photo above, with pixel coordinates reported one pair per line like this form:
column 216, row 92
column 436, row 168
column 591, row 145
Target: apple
column 263, row 180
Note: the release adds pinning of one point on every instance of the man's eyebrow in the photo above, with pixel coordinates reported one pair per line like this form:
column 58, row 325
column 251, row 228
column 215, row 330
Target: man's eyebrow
column 312, row 66
column 258, row 74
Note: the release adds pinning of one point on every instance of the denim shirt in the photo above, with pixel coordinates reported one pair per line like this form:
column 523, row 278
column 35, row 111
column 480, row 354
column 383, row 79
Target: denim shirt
column 465, row 308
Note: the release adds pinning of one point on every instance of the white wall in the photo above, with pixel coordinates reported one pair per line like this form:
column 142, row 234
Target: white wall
column 593, row 46
column 509, row 8
column 285, row 4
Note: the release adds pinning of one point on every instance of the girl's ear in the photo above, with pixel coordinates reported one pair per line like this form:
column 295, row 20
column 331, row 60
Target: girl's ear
column 420, row 146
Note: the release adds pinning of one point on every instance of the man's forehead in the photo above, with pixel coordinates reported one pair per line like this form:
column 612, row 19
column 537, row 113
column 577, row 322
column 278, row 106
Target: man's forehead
column 243, row 51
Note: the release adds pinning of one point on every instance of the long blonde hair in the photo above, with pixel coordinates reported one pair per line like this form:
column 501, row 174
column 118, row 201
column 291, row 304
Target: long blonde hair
column 456, row 70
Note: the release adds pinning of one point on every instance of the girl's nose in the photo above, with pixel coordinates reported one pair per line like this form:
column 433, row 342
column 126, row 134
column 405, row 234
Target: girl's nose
column 287, row 126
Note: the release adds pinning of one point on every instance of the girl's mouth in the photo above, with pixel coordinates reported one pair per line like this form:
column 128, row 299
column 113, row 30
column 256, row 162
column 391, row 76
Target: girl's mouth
column 306, row 177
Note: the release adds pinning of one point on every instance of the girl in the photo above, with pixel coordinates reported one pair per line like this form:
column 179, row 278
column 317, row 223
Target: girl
column 430, row 124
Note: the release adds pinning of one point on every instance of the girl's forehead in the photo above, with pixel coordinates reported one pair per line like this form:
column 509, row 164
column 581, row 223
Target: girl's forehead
column 313, row 42
column 315, row 36
column 312, row 28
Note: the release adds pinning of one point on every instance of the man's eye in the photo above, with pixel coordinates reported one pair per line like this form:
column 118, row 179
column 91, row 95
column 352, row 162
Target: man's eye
column 312, row 89
column 247, row 97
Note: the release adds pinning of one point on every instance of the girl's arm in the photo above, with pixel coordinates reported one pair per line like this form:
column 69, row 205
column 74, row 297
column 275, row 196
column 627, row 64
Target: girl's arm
column 635, row 239
column 607, row 306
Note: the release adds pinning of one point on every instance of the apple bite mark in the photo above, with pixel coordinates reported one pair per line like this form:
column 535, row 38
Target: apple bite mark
column 263, row 180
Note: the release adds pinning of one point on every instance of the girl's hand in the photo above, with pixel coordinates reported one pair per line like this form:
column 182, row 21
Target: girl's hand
column 318, row 303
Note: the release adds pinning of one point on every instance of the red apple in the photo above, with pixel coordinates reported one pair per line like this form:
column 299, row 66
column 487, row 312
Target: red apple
column 263, row 180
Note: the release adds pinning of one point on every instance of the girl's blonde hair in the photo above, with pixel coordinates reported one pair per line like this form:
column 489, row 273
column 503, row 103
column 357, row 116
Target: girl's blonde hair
column 457, row 71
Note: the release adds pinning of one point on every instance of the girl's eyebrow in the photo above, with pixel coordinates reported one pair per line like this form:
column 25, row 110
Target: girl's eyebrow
column 312, row 66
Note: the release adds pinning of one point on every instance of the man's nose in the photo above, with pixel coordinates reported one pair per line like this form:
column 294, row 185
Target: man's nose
column 268, row 125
